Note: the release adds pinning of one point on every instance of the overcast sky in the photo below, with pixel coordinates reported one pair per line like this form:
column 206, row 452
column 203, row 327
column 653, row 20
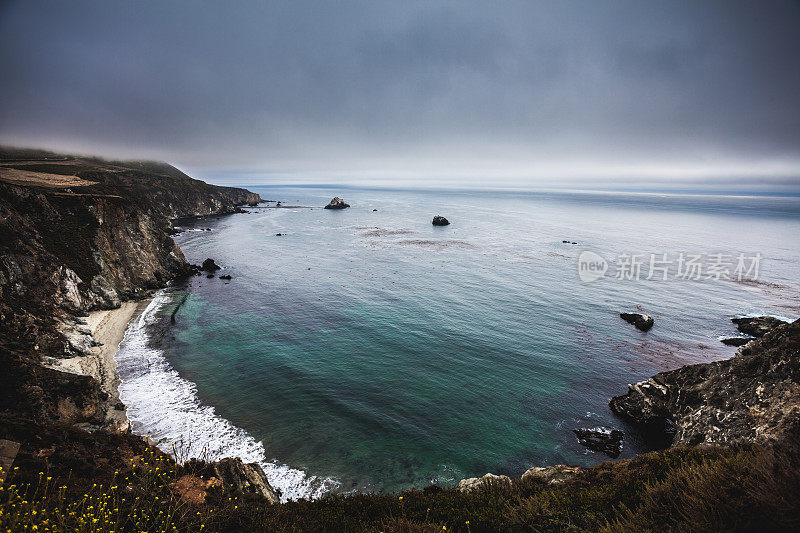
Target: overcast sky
column 444, row 93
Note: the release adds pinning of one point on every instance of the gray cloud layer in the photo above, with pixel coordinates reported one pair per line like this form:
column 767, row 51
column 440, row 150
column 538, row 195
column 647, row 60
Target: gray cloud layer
column 459, row 91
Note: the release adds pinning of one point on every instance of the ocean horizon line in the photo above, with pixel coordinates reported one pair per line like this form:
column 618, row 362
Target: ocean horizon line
column 644, row 192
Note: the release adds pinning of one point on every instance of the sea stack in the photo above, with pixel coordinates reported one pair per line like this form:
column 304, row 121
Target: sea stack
column 440, row 221
column 337, row 203
column 642, row 322
column 601, row 439
column 209, row 265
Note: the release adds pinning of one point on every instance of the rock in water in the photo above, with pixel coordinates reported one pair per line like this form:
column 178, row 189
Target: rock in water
column 476, row 483
column 440, row 221
column 642, row 322
column 209, row 266
column 736, row 341
column 242, row 478
column 757, row 326
column 337, row 203
column 601, row 439
column 752, row 397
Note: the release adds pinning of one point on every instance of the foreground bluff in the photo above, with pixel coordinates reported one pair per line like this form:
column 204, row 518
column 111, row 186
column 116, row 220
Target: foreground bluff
column 752, row 397
column 78, row 234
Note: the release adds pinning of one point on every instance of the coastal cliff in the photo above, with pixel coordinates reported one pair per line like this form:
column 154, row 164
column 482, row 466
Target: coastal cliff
column 76, row 235
column 752, row 397
column 85, row 234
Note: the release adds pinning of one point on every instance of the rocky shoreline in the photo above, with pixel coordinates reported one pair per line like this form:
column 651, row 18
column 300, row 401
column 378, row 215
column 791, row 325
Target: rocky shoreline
column 97, row 338
column 67, row 252
column 76, row 265
column 751, row 397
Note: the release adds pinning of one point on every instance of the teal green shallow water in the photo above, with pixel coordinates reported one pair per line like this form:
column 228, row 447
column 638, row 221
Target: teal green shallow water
column 372, row 351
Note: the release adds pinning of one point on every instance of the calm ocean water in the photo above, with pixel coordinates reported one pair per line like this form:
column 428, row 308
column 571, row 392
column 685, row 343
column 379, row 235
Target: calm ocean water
column 369, row 350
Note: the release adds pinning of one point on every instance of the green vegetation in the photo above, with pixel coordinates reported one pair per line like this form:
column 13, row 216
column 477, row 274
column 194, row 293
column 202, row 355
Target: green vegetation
column 677, row 489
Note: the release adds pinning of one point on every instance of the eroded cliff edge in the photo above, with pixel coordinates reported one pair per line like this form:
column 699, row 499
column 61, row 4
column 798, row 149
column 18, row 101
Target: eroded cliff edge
column 752, row 397
column 79, row 234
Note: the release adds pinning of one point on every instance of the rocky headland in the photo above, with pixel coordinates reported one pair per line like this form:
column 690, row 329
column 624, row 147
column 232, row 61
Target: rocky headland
column 82, row 241
column 752, row 397
column 740, row 418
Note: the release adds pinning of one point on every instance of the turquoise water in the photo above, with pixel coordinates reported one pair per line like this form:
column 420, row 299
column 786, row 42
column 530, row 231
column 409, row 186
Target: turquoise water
column 369, row 350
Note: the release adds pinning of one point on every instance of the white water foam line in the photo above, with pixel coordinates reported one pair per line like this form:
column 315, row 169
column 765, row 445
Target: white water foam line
column 164, row 406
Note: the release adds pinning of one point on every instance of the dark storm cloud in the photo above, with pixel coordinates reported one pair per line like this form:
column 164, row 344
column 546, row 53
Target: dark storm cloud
column 373, row 90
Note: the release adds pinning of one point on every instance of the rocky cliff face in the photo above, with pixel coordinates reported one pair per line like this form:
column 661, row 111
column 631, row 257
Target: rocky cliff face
column 90, row 245
column 79, row 234
column 752, row 397
column 80, row 252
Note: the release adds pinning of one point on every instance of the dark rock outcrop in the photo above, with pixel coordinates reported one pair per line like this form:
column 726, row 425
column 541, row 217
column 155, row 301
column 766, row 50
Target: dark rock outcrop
column 751, row 397
column 209, row 266
column 757, row 326
column 440, row 221
column 736, row 341
column 225, row 276
column 244, row 478
column 601, row 439
column 642, row 322
column 337, row 203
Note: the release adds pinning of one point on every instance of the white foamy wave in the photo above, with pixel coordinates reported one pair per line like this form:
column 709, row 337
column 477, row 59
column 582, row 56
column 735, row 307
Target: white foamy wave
column 758, row 314
column 165, row 407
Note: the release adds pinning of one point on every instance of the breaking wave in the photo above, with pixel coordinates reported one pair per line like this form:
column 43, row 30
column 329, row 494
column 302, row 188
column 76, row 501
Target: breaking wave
column 165, row 407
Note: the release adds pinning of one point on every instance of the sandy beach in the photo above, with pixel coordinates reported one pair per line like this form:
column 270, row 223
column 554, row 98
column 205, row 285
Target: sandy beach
column 107, row 327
